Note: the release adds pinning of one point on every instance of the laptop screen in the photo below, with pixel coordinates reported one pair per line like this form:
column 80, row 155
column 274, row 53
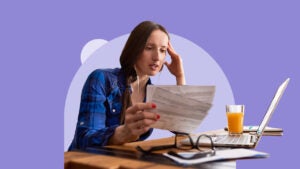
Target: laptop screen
column 272, row 106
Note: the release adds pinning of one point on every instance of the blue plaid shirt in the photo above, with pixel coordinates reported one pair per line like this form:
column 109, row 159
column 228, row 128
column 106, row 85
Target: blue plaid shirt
column 100, row 108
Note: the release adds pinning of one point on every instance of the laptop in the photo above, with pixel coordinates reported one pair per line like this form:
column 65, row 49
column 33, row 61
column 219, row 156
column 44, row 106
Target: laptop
column 245, row 140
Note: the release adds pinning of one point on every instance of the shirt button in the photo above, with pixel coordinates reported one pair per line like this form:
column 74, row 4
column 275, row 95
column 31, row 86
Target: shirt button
column 113, row 110
column 81, row 123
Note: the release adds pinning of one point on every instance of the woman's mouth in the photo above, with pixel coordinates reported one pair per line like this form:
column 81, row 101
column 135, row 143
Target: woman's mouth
column 153, row 66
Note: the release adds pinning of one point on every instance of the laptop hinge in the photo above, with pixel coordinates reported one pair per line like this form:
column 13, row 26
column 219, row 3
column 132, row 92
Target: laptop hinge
column 254, row 138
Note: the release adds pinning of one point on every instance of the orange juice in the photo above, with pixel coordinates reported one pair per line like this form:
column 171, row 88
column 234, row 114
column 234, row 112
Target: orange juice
column 235, row 122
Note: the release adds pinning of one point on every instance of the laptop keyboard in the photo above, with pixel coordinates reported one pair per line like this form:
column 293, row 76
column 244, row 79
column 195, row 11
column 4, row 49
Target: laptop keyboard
column 238, row 139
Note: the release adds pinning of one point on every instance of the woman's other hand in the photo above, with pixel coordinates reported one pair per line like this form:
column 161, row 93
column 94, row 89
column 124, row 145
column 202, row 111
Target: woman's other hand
column 137, row 122
column 176, row 66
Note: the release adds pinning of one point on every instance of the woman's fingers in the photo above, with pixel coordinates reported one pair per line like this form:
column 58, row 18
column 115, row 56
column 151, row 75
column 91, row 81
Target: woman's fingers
column 175, row 58
column 175, row 66
column 139, row 112
column 140, row 107
column 172, row 52
column 139, row 127
column 170, row 47
column 142, row 123
column 145, row 115
column 141, row 115
column 138, row 120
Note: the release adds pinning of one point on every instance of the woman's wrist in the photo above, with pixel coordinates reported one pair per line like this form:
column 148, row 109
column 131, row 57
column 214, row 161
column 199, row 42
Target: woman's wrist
column 117, row 138
column 120, row 136
column 180, row 80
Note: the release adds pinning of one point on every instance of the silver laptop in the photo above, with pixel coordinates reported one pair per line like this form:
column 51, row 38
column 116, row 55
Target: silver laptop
column 248, row 140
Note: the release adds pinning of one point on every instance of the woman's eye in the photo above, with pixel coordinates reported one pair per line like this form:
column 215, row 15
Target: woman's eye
column 163, row 51
column 148, row 47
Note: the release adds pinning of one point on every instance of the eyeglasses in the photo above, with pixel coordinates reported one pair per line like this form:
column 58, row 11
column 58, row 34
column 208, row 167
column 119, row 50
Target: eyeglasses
column 178, row 145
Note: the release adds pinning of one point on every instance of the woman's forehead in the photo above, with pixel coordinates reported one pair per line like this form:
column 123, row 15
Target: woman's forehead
column 158, row 38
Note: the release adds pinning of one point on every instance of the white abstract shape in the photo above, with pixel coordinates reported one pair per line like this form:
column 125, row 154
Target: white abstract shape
column 200, row 69
column 90, row 47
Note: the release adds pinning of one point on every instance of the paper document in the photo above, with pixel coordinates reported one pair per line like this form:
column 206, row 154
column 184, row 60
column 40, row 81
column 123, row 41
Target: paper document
column 221, row 155
column 181, row 108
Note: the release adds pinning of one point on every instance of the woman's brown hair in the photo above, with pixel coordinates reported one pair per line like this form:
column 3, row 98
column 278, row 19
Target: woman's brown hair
column 133, row 48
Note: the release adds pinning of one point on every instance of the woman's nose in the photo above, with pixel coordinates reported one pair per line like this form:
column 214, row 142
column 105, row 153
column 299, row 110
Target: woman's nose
column 156, row 55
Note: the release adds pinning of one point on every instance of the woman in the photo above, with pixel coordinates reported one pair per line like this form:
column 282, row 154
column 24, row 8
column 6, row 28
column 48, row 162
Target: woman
column 113, row 109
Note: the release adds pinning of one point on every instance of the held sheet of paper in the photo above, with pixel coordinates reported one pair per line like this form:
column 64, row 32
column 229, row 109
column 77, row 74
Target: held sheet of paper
column 181, row 108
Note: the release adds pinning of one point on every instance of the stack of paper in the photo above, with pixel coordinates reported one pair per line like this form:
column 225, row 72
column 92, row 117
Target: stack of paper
column 181, row 108
column 221, row 155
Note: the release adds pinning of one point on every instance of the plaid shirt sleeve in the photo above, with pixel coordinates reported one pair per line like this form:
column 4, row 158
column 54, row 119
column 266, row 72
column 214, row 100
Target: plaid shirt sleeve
column 91, row 127
column 96, row 122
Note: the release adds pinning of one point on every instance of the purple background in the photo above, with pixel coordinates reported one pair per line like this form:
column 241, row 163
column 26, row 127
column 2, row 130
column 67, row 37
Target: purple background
column 254, row 43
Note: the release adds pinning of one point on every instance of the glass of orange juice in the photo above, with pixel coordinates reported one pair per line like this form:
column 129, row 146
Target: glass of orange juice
column 235, row 118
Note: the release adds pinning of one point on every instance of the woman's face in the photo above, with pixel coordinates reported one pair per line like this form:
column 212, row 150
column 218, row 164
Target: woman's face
column 153, row 56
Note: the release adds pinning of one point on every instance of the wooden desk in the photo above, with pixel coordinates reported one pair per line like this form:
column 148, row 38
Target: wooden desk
column 83, row 160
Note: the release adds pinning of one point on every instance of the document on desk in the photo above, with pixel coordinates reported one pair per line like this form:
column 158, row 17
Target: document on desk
column 221, row 155
column 181, row 108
